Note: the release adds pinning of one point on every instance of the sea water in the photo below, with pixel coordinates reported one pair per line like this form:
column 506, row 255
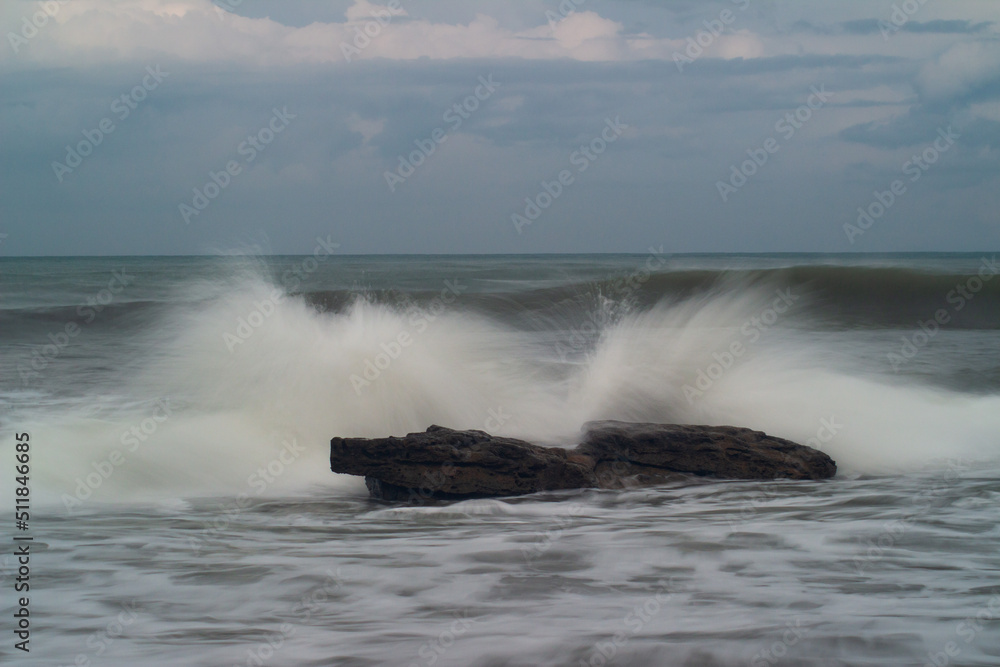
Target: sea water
column 183, row 510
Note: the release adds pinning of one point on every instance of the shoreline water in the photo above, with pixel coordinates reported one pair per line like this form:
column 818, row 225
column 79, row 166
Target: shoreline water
column 221, row 527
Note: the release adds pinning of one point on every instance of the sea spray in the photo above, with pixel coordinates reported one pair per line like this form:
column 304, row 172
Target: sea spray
column 291, row 381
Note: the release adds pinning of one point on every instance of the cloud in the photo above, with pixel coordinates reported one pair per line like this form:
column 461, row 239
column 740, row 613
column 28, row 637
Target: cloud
column 559, row 82
column 964, row 69
column 948, row 27
column 910, row 129
column 88, row 32
column 878, row 26
column 366, row 127
column 362, row 10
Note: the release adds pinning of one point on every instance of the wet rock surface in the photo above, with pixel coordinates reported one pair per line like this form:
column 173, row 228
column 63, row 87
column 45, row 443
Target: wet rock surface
column 449, row 464
column 459, row 463
column 720, row 451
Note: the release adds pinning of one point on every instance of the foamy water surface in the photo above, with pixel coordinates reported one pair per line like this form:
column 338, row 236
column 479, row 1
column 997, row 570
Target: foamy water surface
column 183, row 495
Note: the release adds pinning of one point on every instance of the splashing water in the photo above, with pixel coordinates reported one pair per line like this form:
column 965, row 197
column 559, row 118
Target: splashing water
column 238, row 387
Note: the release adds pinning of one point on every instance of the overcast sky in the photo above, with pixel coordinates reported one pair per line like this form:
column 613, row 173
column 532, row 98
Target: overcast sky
column 730, row 126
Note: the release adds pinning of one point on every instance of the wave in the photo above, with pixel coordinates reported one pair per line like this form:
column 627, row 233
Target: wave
column 840, row 296
column 240, row 390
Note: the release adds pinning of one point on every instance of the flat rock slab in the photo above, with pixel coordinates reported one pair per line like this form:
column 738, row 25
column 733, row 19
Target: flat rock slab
column 459, row 463
column 444, row 463
column 720, row 451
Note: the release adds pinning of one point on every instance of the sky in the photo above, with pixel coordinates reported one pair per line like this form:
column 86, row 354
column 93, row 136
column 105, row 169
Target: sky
column 177, row 127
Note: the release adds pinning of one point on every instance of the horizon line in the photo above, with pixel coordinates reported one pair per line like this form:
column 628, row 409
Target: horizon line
column 526, row 254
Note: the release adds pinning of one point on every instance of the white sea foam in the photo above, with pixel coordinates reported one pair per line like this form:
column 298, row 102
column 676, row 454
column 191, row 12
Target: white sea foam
column 238, row 404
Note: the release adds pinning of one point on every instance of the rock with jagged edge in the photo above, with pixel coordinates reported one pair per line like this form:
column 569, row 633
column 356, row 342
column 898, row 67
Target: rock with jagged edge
column 449, row 464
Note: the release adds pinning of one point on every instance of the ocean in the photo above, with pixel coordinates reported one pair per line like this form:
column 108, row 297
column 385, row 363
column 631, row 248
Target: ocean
column 182, row 510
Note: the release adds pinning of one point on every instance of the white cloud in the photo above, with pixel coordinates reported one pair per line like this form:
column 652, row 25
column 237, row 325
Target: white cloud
column 961, row 69
column 368, row 128
column 362, row 10
column 987, row 110
column 742, row 44
column 87, row 32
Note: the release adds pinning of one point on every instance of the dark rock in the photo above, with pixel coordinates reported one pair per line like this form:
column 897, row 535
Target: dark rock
column 721, row 451
column 444, row 463
column 623, row 474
